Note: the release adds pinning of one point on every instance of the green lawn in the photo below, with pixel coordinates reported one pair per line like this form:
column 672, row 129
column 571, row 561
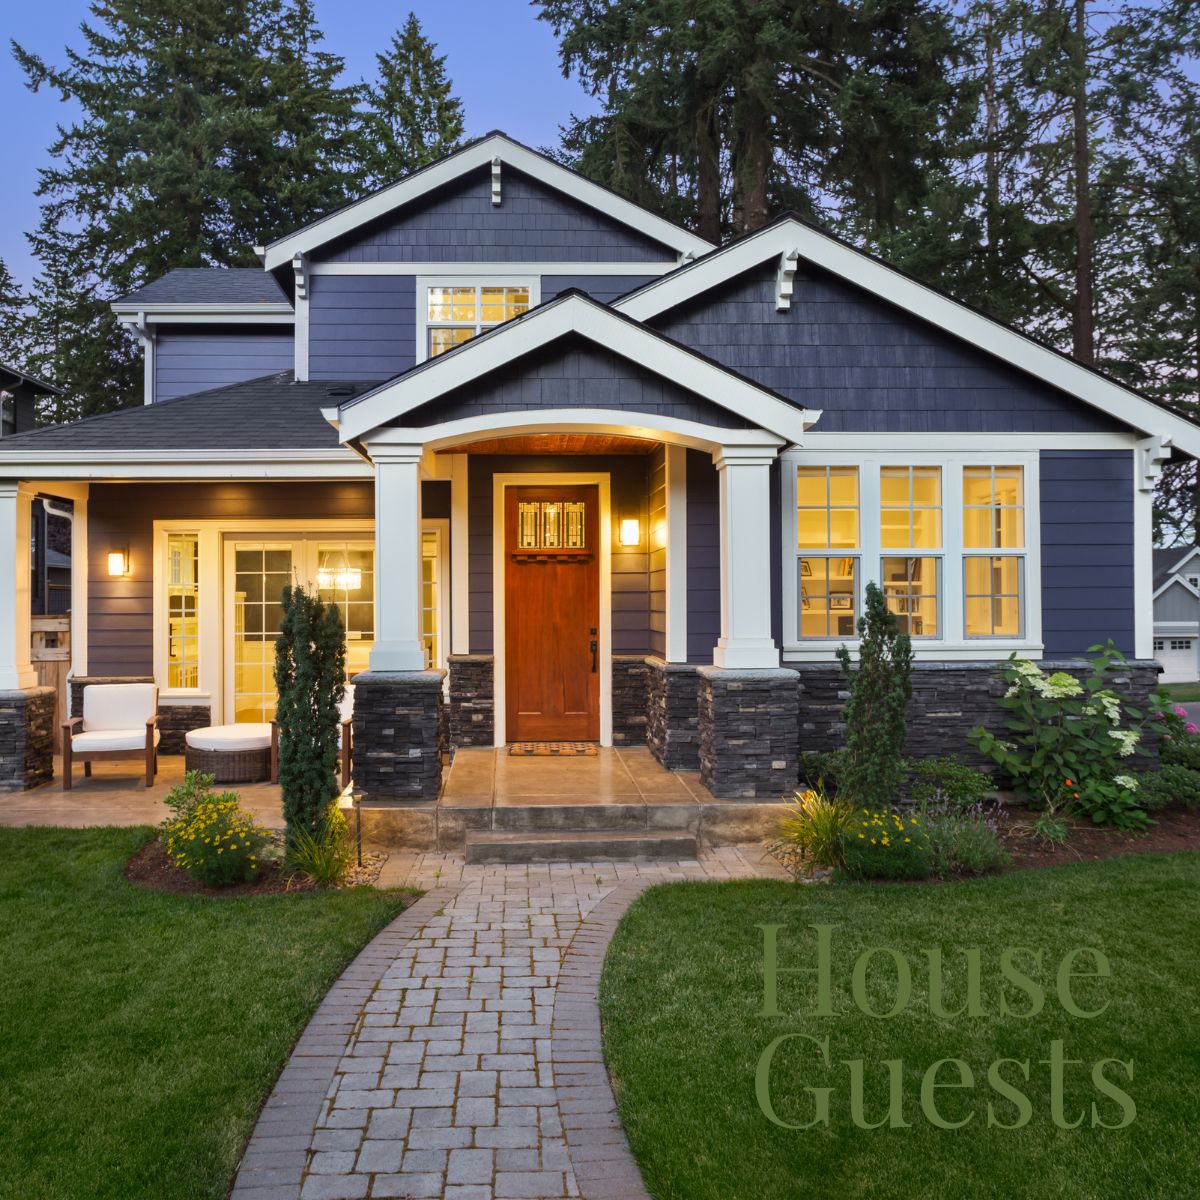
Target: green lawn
column 683, row 985
column 1182, row 692
column 139, row 1031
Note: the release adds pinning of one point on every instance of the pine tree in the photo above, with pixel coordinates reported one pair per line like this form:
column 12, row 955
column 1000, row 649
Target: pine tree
column 412, row 116
column 14, row 318
column 207, row 128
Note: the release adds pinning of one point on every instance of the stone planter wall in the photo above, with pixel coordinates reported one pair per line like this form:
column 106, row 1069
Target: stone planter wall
column 673, row 714
column 26, row 738
column 398, row 728
column 472, row 709
column 630, row 676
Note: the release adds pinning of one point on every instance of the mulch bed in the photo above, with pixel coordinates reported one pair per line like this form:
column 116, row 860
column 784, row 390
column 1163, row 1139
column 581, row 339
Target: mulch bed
column 1173, row 829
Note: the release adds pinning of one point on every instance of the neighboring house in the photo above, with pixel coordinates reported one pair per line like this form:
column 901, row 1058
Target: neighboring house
column 619, row 484
column 19, row 394
column 1177, row 613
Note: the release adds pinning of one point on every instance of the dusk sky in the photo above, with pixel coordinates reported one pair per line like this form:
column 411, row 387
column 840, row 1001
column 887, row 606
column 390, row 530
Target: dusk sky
column 502, row 60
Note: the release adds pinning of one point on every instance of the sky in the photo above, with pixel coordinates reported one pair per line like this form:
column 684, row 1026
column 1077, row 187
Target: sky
column 502, row 60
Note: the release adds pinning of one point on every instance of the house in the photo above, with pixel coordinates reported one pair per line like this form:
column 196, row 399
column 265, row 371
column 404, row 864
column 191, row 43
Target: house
column 572, row 473
column 1177, row 613
column 19, row 394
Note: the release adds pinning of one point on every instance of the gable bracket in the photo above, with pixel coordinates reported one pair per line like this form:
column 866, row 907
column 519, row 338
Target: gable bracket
column 496, row 180
column 785, row 275
column 300, row 267
column 1152, row 453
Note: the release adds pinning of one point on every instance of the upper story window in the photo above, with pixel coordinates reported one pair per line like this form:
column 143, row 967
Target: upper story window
column 457, row 312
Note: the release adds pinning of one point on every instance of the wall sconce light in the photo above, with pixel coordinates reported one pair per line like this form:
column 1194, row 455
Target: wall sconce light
column 631, row 531
column 118, row 563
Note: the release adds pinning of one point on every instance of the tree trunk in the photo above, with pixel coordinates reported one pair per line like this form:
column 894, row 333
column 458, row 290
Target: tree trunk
column 752, row 166
column 708, row 173
column 991, row 170
column 1083, row 316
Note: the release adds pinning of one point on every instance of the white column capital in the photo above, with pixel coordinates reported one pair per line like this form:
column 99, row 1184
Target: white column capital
column 392, row 453
column 745, row 456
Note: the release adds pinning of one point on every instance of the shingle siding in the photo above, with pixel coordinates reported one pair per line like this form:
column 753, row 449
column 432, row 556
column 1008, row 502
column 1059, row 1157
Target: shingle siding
column 459, row 223
column 361, row 326
column 1087, row 550
column 194, row 360
column 869, row 365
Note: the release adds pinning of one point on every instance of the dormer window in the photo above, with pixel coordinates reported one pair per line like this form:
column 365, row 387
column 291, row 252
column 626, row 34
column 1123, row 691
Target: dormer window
column 455, row 312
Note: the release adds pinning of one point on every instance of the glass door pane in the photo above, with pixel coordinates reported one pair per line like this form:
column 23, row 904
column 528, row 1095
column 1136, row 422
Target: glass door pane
column 346, row 577
column 261, row 570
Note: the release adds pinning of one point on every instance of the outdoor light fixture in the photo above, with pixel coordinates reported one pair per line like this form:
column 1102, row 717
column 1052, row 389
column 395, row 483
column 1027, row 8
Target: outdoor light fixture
column 631, row 533
column 118, row 563
column 339, row 579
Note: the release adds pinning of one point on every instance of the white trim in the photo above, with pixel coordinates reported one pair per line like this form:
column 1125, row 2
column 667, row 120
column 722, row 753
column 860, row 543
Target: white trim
column 601, row 480
column 488, row 269
column 955, row 443
column 1175, row 581
column 441, row 527
column 497, row 194
column 471, row 158
column 579, row 315
column 177, row 465
column 1188, row 552
column 951, row 642
column 16, row 666
column 300, row 362
column 890, row 285
column 424, row 282
column 677, row 589
column 460, row 557
column 149, row 342
column 205, row 314
column 79, row 582
column 1143, row 565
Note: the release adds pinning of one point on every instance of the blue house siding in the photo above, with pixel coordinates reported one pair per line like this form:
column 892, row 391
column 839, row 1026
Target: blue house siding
column 604, row 288
column 532, row 223
column 194, row 360
column 871, row 366
column 1087, row 550
column 361, row 326
column 703, row 557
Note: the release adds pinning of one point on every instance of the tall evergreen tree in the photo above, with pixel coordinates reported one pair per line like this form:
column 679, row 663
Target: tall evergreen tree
column 14, row 318
column 412, row 115
column 206, row 128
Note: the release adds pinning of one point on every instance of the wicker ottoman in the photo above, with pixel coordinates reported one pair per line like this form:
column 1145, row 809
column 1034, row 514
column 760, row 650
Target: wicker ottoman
column 231, row 753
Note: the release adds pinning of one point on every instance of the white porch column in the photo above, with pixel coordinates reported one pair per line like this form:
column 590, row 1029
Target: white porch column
column 744, row 475
column 16, row 669
column 398, row 642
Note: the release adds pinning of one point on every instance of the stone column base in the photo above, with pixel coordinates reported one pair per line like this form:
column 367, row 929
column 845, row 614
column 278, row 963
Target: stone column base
column 749, row 735
column 472, row 716
column 672, row 714
column 398, row 723
column 26, row 738
column 629, row 679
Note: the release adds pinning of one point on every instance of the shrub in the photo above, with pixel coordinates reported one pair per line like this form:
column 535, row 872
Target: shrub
column 822, row 770
column 1067, row 739
column 885, row 844
column 948, row 781
column 324, row 859
column 310, row 675
column 880, row 688
column 1180, row 752
column 964, row 841
column 183, row 798
column 814, row 828
column 218, row 843
column 1171, row 785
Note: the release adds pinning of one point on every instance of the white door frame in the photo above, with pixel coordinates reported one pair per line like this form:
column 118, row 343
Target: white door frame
column 554, row 479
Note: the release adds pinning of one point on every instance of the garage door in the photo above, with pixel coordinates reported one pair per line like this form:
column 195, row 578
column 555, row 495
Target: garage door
column 1178, row 658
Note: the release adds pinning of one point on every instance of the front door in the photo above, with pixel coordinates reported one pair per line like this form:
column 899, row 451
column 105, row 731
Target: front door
column 552, row 613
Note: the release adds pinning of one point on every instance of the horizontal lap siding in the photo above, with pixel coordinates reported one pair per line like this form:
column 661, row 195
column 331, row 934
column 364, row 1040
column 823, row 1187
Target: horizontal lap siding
column 187, row 361
column 656, row 538
column 121, row 611
column 870, row 366
column 630, row 567
column 533, row 223
column 703, row 557
column 1087, row 550
column 361, row 326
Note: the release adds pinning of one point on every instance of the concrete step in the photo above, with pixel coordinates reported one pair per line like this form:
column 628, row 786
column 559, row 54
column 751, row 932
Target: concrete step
column 595, row 818
column 576, row 846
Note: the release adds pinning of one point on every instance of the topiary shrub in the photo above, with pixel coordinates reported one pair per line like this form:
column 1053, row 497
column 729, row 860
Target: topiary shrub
column 310, row 675
column 872, row 769
column 948, row 781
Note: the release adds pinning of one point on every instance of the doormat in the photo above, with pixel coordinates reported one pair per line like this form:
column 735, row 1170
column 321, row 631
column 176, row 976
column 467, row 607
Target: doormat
column 561, row 749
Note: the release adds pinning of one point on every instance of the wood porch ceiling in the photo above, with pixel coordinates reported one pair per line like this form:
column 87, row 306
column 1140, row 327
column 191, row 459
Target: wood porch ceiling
column 558, row 443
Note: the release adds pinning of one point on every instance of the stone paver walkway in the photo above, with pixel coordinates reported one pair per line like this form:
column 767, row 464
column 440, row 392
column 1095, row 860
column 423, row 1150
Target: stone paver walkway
column 459, row 1056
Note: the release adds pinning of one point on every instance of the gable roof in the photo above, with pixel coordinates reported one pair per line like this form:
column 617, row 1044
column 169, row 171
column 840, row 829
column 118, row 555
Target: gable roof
column 572, row 312
column 483, row 152
column 10, row 377
column 790, row 236
column 207, row 285
column 1168, row 562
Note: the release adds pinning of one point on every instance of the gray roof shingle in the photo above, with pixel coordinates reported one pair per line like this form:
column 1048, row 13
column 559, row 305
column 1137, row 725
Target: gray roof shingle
column 269, row 413
column 210, row 285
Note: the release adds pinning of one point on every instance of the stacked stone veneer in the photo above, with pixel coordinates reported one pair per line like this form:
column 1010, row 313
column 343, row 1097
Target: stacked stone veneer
column 749, row 743
column 472, row 708
column 630, row 677
column 174, row 720
column 26, row 738
column 673, row 714
column 398, row 729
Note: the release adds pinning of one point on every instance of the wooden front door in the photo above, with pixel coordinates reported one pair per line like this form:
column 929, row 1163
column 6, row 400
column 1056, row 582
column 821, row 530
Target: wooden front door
column 552, row 613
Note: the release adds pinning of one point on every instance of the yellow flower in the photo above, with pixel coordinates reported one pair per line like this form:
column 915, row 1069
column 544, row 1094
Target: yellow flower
column 908, row 839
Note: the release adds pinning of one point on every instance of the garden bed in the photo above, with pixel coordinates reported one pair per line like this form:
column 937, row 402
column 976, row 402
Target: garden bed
column 1173, row 829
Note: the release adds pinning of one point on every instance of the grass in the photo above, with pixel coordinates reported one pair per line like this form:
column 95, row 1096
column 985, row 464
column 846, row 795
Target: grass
column 1182, row 692
column 140, row 1031
column 683, row 985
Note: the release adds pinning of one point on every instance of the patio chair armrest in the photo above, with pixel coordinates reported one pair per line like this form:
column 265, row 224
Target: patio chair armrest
column 71, row 725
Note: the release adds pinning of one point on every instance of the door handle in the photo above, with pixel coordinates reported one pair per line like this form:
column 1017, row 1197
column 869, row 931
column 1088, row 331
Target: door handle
column 593, row 646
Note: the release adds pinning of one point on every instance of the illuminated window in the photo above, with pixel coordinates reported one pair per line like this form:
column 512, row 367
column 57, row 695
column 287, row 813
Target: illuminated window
column 910, row 517
column 911, row 588
column 456, row 313
column 431, row 584
column 992, row 594
column 183, row 610
column 827, row 525
column 346, row 577
column 993, row 508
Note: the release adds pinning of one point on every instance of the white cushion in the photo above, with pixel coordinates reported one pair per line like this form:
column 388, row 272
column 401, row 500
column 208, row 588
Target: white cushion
column 118, row 705
column 230, row 737
column 111, row 739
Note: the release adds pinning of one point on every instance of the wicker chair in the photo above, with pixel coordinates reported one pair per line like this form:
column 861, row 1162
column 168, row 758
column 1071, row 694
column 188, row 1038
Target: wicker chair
column 120, row 720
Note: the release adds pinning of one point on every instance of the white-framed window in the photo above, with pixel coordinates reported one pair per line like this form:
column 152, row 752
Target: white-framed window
column 182, row 600
column 952, row 540
column 1158, row 644
column 435, row 589
column 453, row 311
column 1180, row 644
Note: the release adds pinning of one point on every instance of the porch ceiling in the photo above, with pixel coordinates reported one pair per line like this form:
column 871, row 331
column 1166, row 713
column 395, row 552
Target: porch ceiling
column 558, row 444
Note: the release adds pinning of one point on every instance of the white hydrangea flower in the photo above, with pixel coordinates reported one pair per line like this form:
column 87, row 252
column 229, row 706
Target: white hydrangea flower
column 1126, row 781
column 1128, row 739
column 1059, row 686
